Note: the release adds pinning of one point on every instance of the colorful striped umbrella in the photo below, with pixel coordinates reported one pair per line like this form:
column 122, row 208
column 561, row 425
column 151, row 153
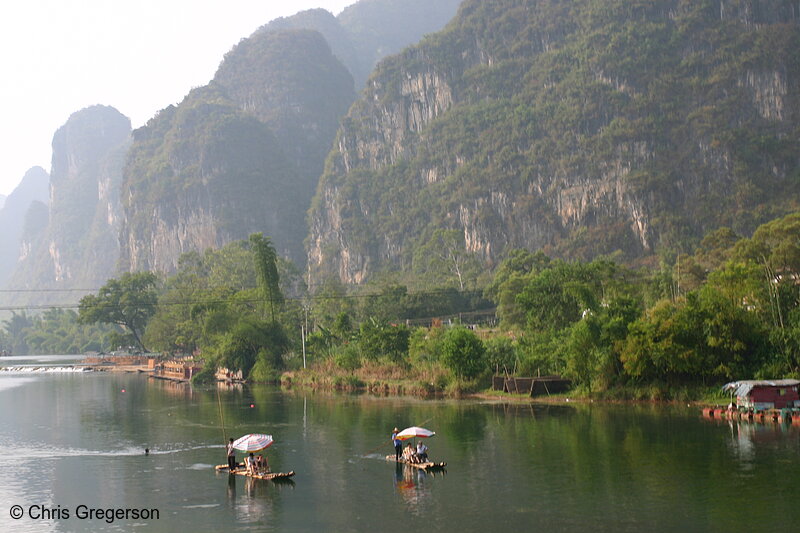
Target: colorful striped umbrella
column 415, row 431
column 253, row 442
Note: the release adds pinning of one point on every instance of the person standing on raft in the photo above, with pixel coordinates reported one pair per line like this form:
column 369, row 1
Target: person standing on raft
column 398, row 446
column 231, row 456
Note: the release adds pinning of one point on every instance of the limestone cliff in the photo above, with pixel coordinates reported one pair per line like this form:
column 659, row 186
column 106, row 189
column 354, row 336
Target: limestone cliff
column 238, row 156
column 583, row 128
column 200, row 175
column 32, row 189
column 244, row 154
column 75, row 245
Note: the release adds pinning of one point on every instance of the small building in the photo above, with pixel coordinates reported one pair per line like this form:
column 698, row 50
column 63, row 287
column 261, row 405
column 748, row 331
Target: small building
column 760, row 395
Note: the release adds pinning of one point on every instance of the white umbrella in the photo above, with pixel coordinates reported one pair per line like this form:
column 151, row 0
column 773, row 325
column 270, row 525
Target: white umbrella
column 415, row 431
column 253, row 442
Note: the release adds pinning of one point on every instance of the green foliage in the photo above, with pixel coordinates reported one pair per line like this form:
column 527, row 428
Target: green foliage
column 463, row 353
column 55, row 331
column 730, row 311
column 15, row 329
column 330, row 301
column 378, row 339
column 560, row 294
column 266, row 260
column 249, row 343
column 267, row 367
column 128, row 302
column 509, row 279
column 705, row 336
column 583, row 352
column 206, row 375
column 541, row 353
column 501, row 355
column 348, row 357
column 425, row 345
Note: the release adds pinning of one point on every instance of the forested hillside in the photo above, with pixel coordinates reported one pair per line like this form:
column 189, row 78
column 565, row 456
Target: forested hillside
column 580, row 128
column 244, row 154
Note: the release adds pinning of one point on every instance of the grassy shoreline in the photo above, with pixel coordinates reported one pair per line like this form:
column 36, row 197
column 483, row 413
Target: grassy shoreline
column 374, row 380
column 433, row 383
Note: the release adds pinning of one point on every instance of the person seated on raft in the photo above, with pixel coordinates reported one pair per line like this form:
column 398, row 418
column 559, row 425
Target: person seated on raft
column 262, row 464
column 251, row 464
column 409, row 454
column 422, row 452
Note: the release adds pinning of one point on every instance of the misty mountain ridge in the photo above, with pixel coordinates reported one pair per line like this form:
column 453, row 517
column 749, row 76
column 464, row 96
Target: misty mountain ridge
column 34, row 188
column 582, row 128
column 244, row 154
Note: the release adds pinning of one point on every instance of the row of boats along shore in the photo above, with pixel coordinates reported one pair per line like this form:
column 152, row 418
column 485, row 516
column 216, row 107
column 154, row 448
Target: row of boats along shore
column 257, row 467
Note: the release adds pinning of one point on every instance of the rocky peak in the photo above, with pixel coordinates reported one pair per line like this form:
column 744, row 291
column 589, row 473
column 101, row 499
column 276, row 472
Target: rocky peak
column 582, row 128
column 76, row 245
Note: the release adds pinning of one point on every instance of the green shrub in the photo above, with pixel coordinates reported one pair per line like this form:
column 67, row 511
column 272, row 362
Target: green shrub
column 348, row 358
column 463, row 353
column 206, row 375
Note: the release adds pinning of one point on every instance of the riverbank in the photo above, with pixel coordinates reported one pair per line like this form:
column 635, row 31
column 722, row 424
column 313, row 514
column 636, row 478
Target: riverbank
column 382, row 379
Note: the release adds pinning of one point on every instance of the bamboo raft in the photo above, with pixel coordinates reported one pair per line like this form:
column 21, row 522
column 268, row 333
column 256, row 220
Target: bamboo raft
column 243, row 472
column 428, row 465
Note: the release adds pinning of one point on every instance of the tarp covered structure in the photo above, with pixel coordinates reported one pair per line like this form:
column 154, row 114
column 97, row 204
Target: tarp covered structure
column 741, row 389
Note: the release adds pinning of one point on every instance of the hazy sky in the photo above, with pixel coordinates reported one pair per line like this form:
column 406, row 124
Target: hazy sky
column 139, row 56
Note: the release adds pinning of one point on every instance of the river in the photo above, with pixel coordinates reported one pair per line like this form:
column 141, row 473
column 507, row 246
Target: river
column 73, row 443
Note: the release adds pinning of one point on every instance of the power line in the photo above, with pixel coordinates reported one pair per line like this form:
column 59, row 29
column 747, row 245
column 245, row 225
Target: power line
column 245, row 301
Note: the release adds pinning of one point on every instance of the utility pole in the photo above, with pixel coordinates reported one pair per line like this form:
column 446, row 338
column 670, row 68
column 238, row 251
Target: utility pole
column 303, row 331
column 303, row 336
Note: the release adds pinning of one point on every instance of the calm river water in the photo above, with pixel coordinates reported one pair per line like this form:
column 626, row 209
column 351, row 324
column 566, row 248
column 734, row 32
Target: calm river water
column 70, row 442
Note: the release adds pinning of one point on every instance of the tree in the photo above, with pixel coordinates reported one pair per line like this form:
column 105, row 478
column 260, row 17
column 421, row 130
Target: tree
column 463, row 353
column 16, row 327
column 129, row 302
column 558, row 296
column 509, row 279
column 266, row 260
column 331, row 300
column 446, row 253
column 500, row 354
column 583, row 351
column 378, row 338
column 252, row 344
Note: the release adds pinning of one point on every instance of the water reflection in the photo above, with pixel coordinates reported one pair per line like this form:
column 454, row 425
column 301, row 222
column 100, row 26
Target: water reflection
column 412, row 487
column 256, row 504
column 69, row 440
column 748, row 438
column 231, row 488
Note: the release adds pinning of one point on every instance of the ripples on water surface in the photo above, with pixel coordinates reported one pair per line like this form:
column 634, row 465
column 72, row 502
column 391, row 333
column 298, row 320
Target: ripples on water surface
column 71, row 438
